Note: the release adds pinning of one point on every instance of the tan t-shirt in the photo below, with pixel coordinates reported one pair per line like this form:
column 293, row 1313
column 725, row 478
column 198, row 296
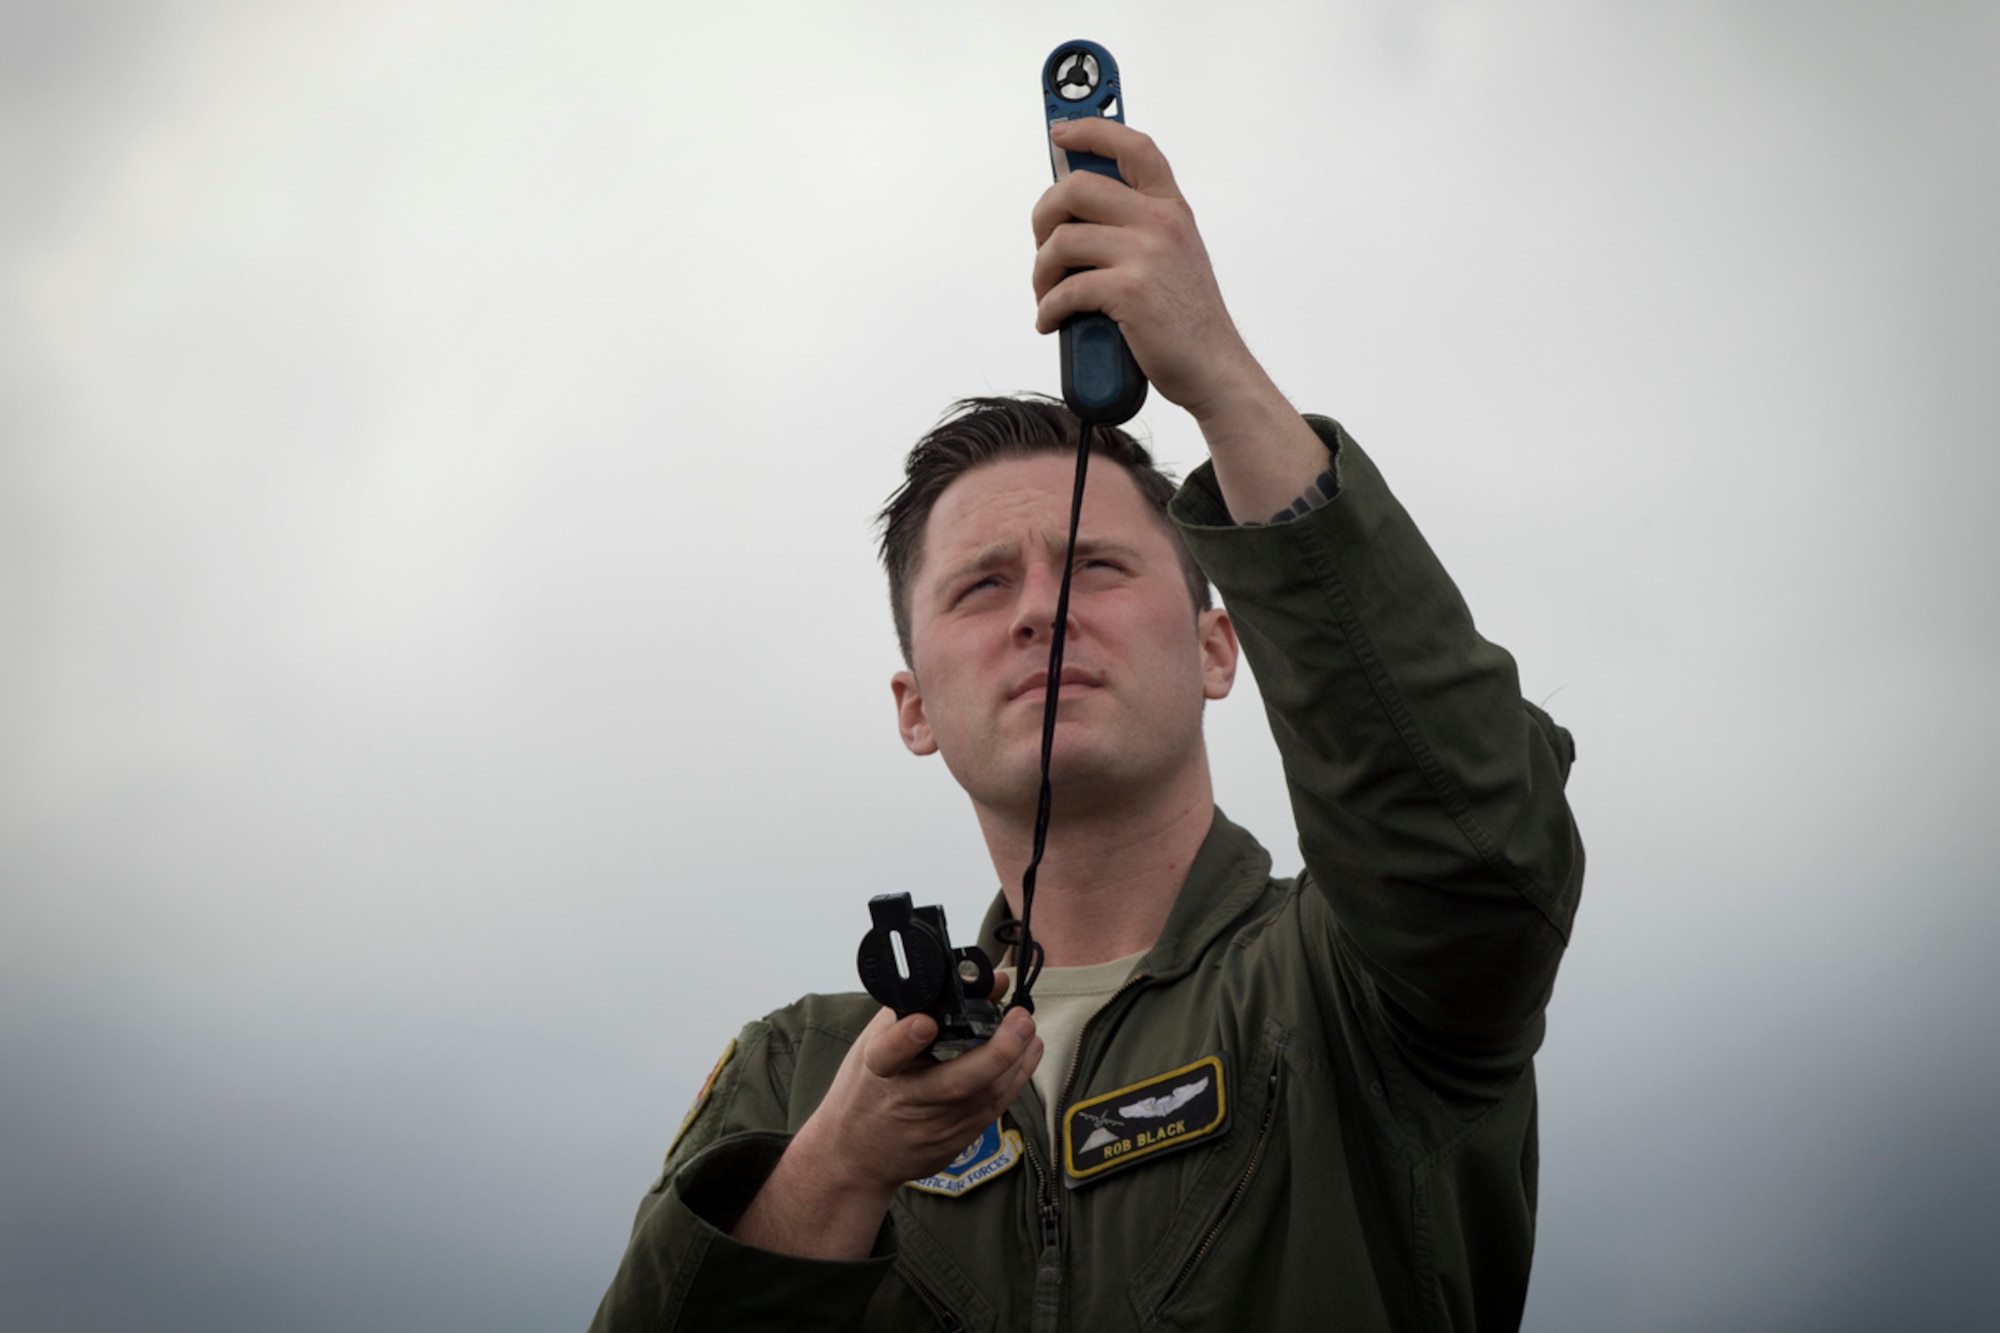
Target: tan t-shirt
column 1065, row 999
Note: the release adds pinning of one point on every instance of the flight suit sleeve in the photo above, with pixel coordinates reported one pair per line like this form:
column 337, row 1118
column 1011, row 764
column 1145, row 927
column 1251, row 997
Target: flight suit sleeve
column 682, row 1271
column 1428, row 794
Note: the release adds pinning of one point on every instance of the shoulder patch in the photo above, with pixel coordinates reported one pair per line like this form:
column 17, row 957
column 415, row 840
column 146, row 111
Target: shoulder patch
column 994, row 1153
column 701, row 1098
column 1160, row 1115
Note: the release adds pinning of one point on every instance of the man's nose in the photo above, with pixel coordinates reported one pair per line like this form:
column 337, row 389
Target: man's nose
column 1035, row 610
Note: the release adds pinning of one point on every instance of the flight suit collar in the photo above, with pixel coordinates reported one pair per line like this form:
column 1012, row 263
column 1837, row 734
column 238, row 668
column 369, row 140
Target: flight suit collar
column 1229, row 874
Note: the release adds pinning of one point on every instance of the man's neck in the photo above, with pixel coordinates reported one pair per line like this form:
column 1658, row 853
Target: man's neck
column 1109, row 878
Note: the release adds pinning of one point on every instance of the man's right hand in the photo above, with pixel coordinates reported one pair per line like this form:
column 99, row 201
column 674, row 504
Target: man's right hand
column 892, row 1115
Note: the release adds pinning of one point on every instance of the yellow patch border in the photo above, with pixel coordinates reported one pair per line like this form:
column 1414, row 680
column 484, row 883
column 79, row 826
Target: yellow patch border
column 1008, row 1156
column 701, row 1098
column 1140, row 1154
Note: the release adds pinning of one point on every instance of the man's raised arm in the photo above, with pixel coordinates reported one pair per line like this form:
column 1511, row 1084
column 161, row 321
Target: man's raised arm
column 1428, row 794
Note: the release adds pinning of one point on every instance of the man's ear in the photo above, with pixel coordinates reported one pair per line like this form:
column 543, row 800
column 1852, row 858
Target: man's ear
column 1218, row 653
column 910, row 719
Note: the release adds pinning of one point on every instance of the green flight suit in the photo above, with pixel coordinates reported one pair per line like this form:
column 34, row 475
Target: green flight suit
column 1376, row 1017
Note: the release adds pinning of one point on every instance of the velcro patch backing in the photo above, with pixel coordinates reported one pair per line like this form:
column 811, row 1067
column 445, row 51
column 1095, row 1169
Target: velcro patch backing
column 1164, row 1113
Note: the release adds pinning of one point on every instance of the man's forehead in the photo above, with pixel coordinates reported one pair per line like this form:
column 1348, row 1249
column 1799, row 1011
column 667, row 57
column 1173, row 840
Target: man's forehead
column 988, row 508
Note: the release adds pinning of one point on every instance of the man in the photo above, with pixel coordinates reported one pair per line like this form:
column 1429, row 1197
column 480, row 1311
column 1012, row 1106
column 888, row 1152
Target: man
column 1253, row 1103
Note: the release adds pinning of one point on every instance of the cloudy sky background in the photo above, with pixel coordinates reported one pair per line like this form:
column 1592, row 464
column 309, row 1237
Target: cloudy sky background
column 443, row 667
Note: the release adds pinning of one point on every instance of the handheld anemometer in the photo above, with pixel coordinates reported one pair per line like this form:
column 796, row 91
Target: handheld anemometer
column 1100, row 380
column 906, row 960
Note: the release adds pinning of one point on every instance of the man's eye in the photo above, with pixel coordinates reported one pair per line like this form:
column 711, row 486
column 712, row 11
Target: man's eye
column 990, row 581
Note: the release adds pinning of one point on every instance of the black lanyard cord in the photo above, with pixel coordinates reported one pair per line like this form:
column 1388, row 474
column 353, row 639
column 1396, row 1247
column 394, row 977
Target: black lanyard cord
column 1027, row 953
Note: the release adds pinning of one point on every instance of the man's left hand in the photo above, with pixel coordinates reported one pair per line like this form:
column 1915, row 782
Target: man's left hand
column 1142, row 263
column 1132, row 251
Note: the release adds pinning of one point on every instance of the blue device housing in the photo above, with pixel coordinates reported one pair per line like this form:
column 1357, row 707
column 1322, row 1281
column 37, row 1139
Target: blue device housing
column 1101, row 380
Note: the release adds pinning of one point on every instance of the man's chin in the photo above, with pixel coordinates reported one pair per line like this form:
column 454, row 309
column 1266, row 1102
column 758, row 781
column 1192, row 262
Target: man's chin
column 1080, row 772
column 1078, row 780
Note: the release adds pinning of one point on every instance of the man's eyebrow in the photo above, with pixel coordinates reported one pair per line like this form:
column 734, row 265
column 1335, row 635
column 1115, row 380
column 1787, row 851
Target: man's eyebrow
column 985, row 558
column 1086, row 546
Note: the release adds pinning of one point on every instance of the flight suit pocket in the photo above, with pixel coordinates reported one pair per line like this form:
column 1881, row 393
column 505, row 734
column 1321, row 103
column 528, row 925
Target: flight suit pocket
column 929, row 1289
column 1217, row 1228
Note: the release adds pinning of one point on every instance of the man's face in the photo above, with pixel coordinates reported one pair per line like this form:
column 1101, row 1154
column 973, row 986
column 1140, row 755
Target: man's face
column 1137, row 665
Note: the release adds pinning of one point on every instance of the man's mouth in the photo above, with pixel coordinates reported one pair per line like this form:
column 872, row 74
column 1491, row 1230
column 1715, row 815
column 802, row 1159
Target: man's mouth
column 1037, row 684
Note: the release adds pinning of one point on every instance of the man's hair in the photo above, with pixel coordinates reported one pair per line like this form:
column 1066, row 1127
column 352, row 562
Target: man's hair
column 977, row 431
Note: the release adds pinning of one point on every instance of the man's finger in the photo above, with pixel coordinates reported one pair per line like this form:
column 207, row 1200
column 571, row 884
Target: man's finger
column 1011, row 1079
column 971, row 1074
column 889, row 1047
column 1003, row 1048
column 1092, row 289
column 1139, row 159
column 1079, row 245
column 1087, row 197
column 1023, row 1072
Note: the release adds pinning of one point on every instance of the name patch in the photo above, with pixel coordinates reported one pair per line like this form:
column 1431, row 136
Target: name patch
column 1166, row 1112
column 993, row 1153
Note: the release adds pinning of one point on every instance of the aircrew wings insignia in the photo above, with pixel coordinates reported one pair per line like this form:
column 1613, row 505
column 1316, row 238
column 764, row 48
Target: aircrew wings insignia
column 1150, row 1108
column 1143, row 1120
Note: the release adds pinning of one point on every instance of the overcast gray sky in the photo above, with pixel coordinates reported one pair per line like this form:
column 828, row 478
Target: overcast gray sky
column 443, row 669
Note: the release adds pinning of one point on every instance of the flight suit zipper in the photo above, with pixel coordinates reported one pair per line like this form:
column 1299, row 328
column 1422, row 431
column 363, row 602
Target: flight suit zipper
column 1235, row 1194
column 1048, row 1265
column 948, row 1321
column 1048, row 1270
column 1076, row 1056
